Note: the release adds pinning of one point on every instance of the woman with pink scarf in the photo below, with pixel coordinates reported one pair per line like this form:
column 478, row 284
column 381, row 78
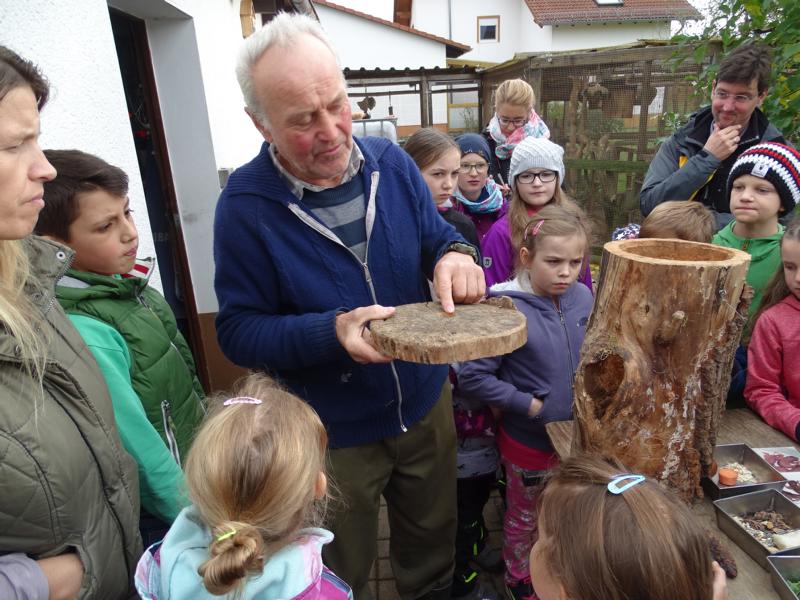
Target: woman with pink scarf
column 514, row 120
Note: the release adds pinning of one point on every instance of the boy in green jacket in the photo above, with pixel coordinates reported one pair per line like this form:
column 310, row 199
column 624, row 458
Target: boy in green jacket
column 764, row 184
column 129, row 327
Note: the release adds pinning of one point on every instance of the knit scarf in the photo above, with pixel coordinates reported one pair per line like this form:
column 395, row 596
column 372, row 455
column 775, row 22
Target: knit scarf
column 504, row 146
column 492, row 203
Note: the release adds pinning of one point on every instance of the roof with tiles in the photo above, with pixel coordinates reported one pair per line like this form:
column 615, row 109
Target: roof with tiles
column 454, row 48
column 576, row 12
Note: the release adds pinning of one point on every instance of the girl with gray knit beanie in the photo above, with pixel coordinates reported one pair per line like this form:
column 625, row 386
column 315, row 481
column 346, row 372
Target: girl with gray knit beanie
column 535, row 176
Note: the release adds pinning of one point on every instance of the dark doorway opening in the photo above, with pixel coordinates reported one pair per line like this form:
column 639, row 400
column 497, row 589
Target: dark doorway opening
column 138, row 79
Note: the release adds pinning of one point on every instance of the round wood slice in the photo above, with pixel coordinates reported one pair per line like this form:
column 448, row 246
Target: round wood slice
column 424, row 333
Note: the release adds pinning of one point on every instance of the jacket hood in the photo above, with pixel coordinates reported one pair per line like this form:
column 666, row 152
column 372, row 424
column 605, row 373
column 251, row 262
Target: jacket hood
column 287, row 573
column 80, row 285
column 520, row 289
column 46, row 271
column 792, row 302
column 40, row 285
column 757, row 248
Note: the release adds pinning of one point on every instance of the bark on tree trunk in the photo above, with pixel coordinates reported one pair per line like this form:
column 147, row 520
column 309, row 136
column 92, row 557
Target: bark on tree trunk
column 656, row 360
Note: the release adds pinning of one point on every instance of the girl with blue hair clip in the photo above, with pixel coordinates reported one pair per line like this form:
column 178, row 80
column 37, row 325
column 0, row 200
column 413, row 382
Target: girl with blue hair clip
column 608, row 534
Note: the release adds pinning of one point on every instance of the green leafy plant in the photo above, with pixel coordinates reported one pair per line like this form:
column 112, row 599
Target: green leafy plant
column 672, row 122
column 775, row 23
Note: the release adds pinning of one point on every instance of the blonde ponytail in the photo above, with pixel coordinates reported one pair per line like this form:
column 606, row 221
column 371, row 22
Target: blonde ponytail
column 252, row 475
column 237, row 552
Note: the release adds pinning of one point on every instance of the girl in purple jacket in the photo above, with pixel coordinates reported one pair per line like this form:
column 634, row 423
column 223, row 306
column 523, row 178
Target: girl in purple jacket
column 533, row 385
column 536, row 174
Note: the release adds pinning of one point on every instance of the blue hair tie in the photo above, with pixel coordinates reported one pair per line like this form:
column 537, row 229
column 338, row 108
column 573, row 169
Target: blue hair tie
column 614, row 485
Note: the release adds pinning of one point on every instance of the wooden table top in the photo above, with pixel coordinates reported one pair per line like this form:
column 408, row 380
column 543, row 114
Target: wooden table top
column 738, row 426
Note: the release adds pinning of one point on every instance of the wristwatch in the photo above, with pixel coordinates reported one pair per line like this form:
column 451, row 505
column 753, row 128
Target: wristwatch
column 464, row 249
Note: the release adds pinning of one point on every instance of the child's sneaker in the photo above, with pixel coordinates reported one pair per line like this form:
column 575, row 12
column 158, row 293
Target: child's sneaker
column 522, row 590
column 490, row 559
column 481, row 591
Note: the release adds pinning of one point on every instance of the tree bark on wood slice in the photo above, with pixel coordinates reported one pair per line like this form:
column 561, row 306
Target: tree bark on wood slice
column 424, row 333
column 656, row 359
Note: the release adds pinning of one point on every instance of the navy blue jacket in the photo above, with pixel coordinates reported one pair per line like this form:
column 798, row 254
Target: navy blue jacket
column 282, row 276
column 544, row 367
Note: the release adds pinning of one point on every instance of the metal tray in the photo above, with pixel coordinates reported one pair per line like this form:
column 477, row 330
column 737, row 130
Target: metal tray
column 770, row 499
column 782, row 568
column 768, row 477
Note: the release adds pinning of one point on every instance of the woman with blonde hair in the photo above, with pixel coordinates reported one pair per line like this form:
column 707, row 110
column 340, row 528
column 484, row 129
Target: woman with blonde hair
column 69, row 498
column 514, row 120
column 256, row 479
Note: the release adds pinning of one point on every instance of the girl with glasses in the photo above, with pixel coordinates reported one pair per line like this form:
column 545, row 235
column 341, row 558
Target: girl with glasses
column 514, row 120
column 477, row 195
column 536, row 173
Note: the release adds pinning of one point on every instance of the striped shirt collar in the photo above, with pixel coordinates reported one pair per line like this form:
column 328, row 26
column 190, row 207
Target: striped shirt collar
column 297, row 186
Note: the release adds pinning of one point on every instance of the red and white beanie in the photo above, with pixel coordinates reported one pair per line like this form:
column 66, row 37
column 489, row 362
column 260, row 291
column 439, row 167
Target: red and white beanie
column 778, row 164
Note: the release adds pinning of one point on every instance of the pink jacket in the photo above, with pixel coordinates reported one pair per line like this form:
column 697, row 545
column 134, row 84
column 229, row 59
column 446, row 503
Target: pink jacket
column 773, row 366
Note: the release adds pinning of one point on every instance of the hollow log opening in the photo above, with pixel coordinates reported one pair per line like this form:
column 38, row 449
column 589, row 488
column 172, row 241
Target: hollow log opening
column 602, row 380
column 677, row 250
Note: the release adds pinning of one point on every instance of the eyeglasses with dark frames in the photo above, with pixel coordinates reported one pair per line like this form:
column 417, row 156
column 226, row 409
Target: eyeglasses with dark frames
column 505, row 121
column 544, row 177
column 478, row 167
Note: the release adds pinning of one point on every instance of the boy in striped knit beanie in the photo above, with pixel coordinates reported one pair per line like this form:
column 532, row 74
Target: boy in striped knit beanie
column 763, row 185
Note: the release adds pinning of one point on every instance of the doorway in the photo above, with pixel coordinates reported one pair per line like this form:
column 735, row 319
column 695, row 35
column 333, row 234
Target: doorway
column 138, row 79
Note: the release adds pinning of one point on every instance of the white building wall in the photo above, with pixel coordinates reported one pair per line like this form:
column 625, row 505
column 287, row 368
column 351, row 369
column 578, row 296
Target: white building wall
column 532, row 37
column 383, row 9
column 518, row 31
column 432, row 16
column 190, row 147
column 87, row 109
column 569, row 37
column 219, row 37
column 464, row 17
column 364, row 43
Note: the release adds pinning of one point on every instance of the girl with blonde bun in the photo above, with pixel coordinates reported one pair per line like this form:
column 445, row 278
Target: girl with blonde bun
column 256, row 479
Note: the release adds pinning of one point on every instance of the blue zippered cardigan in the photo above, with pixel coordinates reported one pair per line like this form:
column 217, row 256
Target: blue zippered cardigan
column 544, row 367
column 280, row 280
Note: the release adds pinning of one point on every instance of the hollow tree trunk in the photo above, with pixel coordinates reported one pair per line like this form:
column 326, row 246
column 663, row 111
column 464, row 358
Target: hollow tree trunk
column 656, row 360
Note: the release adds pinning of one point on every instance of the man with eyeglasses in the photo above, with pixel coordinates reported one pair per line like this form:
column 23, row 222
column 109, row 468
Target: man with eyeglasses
column 694, row 163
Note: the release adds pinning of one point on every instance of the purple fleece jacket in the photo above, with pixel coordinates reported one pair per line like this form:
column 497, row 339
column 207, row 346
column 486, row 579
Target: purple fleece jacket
column 544, row 367
column 498, row 255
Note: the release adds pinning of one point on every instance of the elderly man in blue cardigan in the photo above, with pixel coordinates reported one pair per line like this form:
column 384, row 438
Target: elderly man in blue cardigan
column 314, row 238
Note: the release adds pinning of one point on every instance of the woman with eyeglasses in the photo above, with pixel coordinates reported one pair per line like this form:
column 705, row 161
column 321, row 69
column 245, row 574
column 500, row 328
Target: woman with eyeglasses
column 514, row 120
column 536, row 173
column 478, row 196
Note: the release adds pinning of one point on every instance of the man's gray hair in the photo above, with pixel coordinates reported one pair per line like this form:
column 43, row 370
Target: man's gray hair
column 282, row 32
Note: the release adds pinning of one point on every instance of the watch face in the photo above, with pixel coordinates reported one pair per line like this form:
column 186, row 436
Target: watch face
column 463, row 249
